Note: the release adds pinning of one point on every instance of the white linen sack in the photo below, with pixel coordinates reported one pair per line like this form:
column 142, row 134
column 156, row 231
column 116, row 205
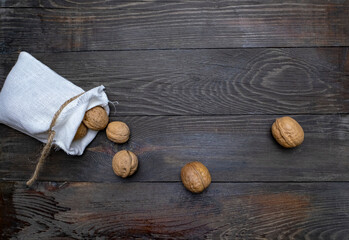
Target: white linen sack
column 33, row 93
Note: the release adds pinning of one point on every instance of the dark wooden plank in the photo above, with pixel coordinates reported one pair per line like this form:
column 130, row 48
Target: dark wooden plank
column 168, row 211
column 100, row 4
column 206, row 82
column 184, row 24
column 18, row 3
column 141, row 4
column 234, row 148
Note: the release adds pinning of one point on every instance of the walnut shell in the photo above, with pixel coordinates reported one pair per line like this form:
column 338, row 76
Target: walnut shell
column 96, row 118
column 287, row 132
column 81, row 132
column 118, row 132
column 125, row 163
column 195, row 177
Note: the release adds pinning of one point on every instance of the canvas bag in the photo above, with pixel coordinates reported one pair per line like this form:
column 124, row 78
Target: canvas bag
column 32, row 94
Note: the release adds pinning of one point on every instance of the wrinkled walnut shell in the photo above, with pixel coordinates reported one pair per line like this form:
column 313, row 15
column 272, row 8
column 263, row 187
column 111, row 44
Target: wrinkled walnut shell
column 287, row 132
column 125, row 163
column 81, row 132
column 96, row 118
column 195, row 177
column 118, row 132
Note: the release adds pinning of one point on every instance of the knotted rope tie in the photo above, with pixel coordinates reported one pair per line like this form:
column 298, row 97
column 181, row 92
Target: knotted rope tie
column 51, row 134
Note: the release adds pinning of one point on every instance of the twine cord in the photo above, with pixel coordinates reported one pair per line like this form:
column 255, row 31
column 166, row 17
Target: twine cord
column 46, row 150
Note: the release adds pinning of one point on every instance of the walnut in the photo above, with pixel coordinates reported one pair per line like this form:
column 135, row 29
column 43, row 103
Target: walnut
column 195, row 177
column 125, row 163
column 287, row 132
column 96, row 118
column 118, row 132
column 81, row 132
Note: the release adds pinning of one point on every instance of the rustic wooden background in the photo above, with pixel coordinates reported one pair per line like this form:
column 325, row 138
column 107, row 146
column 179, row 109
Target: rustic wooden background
column 196, row 80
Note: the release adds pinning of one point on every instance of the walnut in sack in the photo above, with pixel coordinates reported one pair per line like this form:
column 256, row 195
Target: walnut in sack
column 96, row 118
column 81, row 132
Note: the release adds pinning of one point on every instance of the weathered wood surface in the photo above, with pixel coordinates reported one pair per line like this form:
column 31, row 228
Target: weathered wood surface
column 144, row 4
column 206, row 82
column 168, row 211
column 183, row 24
column 196, row 80
column 99, row 4
column 234, row 148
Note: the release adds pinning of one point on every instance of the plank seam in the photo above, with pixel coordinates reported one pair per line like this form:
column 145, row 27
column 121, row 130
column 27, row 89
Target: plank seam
column 172, row 49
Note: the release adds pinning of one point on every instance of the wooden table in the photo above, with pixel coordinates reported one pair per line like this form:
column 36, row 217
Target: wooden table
column 195, row 81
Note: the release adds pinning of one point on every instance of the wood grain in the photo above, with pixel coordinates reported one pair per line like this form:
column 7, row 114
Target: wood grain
column 210, row 82
column 196, row 81
column 98, row 4
column 168, row 211
column 183, row 24
column 18, row 3
column 234, row 148
column 139, row 4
